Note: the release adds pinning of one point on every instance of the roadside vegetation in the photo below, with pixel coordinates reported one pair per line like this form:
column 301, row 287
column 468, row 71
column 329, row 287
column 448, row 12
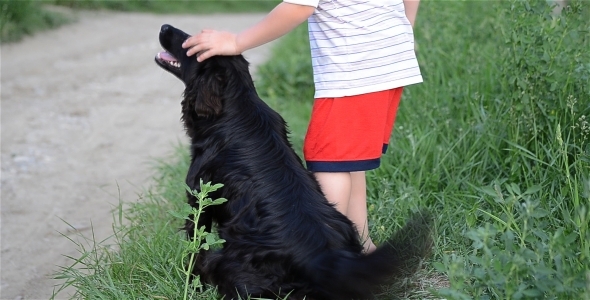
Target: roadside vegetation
column 495, row 143
column 19, row 18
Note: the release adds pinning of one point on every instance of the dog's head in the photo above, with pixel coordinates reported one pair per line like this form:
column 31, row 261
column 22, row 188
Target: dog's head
column 207, row 83
column 174, row 58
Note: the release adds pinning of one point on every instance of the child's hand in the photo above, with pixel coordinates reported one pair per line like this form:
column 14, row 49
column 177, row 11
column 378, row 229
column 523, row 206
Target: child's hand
column 211, row 42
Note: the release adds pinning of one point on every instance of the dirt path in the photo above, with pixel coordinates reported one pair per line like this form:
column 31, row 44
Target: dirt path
column 84, row 112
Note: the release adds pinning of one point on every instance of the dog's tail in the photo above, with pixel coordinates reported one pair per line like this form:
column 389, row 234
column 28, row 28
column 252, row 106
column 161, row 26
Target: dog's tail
column 339, row 275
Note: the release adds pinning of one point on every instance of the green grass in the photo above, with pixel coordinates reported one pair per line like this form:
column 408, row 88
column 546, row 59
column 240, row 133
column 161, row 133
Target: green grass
column 23, row 17
column 495, row 142
column 19, row 18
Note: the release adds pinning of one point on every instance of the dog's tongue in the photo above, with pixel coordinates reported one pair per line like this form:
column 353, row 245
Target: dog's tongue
column 166, row 56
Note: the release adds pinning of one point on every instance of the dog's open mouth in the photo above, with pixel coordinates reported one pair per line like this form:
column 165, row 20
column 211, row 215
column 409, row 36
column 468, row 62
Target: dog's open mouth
column 165, row 58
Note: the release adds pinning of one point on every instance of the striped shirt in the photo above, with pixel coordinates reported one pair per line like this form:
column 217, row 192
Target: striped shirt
column 360, row 46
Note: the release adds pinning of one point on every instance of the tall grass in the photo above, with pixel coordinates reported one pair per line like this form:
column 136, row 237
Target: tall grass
column 145, row 258
column 507, row 149
column 495, row 142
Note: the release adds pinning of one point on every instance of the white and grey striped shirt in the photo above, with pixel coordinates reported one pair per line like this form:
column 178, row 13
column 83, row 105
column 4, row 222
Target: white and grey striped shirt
column 360, row 46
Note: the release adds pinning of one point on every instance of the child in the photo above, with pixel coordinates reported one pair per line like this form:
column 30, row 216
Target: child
column 362, row 56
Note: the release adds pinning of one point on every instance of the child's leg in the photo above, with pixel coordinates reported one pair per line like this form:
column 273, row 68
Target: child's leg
column 346, row 136
column 337, row 187
column 357, row 209
column 347, row 191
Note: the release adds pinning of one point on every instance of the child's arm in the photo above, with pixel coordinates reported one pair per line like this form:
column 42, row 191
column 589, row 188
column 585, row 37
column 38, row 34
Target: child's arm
column 284, row 18
column 411, row 7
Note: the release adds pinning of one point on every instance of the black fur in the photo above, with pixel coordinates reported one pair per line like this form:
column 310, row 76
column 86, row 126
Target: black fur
column 283, row 238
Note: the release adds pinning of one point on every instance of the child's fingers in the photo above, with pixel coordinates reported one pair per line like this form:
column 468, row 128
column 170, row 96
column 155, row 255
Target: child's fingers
column 192, row 40
column 195, row 46
column 194, row 50
column 209, row 43
column 198, row 43
column 204, row 55
column 195, row 43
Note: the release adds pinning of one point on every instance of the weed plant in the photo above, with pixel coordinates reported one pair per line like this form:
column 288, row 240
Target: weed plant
column 494, row 142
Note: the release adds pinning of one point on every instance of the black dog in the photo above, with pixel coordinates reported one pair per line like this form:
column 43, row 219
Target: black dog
column 283, row 238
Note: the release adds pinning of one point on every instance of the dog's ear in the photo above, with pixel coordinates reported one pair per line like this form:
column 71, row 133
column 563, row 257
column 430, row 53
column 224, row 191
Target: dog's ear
column 206, row 94
column 209, row 100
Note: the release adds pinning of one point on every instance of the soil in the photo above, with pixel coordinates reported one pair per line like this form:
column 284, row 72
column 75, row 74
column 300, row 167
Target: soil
column 85, row 112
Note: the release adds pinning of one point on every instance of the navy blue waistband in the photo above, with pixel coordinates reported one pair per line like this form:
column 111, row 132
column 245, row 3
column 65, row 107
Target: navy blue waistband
column 343, row 166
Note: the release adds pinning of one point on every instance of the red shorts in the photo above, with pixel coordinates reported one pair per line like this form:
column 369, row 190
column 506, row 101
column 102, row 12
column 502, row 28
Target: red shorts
column 349, row 134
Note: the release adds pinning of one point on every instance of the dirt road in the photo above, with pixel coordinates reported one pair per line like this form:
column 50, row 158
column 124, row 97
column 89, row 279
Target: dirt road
column 84, row 113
